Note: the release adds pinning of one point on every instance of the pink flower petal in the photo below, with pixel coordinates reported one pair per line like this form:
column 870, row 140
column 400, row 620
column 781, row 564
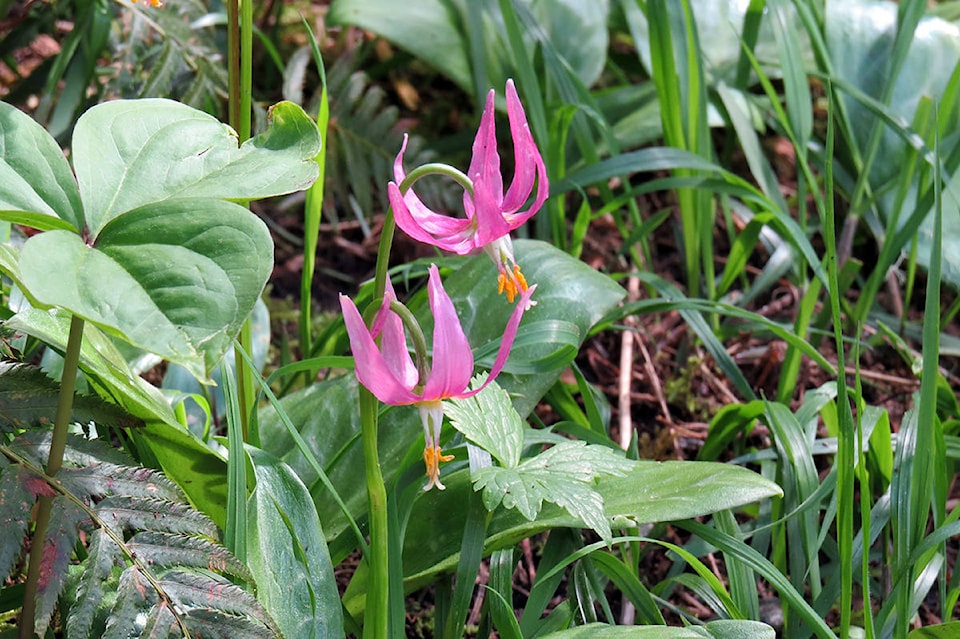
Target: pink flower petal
column 487, row 181
column 372, row 369
column 529, row 165
column 509, row 334
column 452, row 356
column 393, row 343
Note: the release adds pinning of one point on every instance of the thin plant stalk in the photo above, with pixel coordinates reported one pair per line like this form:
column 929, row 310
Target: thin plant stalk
column 846, row 436
column 375, row 619
column 240, row 80
column 58, row 444
column 313, row 212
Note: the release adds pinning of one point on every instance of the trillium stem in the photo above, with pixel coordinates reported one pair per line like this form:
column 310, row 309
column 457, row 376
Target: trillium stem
column 58, row 444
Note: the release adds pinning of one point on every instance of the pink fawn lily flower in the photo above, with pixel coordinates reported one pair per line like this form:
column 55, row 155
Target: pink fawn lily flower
column 389, row 373
column 490, row 215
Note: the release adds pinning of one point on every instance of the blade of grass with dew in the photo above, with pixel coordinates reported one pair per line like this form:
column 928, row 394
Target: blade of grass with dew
column 313, row 209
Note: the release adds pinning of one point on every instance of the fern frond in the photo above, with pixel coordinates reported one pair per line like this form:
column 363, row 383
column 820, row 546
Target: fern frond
column 121, row 512
column 167, row 549
column 16, row 500
column 196, row 591
column 103, row 556
column 65, row 518
column 100, row 480
column 362, row 141
column 152, row 568
column 28, row 397
column 166, row 54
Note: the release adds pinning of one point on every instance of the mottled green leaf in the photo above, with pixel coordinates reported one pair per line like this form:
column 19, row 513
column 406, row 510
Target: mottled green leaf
column 288, row 555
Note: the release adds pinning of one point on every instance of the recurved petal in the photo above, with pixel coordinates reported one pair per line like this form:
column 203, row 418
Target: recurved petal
column 372, row 369
column 422, row 224
column 452, row 356
column 509, row 334
column 529, row 165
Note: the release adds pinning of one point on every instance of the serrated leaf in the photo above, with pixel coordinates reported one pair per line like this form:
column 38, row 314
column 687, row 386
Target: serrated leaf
column 563, row 475
column 133, row 594
column 34, row 174
column 103, row 555
column 211, row 624
column 16, row 501
column 34, row 445
column 132, row 513
column 490, row 421
column 196, row 590
column 160, row 623
column 129, row 153
column 184, row 274
column 28, row 397
column 57, row 550
column 101, row 479
column 168, row 549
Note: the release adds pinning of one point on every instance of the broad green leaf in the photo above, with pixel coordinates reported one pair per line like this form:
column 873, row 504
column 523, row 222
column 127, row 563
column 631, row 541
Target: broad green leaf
column 427, row 28
column 651, row 492
column 489, row 420
column 183, row 275
column 34, row 174
column 563, row 475
column 720, row 629
column 129, row 153
column 568, row 291
column 287, row 553
column 940, row 631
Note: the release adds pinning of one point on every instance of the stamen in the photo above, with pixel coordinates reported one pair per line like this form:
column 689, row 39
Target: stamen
column 520, row 279
column 432, row 457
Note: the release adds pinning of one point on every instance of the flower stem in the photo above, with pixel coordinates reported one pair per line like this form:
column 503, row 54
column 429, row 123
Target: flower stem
column 375, row 619
column 58, row 444
column 437, row 168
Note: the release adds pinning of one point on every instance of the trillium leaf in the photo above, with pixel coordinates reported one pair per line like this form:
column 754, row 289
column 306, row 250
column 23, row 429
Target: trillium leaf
column 129, row 153
column 35, row 177
column 176, row 278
